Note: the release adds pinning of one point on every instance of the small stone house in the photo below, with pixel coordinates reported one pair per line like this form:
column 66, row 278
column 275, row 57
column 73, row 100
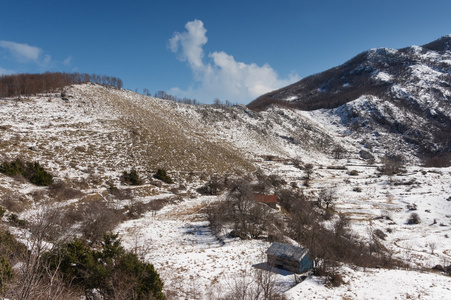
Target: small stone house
column 270, row 200
column 288, row 257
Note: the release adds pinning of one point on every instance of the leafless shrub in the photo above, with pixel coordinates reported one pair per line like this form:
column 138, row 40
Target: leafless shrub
column 80, row 183
column 380, row 234
column 178, row 190
column 120, row 194
column 248, row 218
column 38, row 195
column 13, row 202
column 95, row 179
column 308, row 170
column 59, row 226
column 34, row 279
column 61, row 191
column 413, row 219
column 20, row 178
column 137, row 208
column 337, row 167
column 215, row 186
column 411, row 206
column 91, row 219
column 338, row 152
column 438, row 161
column 98, row 218
column 392, row 164
column 353, row 173
column 258, row 284
column 327, row 196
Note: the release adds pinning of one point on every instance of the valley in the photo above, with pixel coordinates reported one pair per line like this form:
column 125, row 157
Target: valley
column 90, row 139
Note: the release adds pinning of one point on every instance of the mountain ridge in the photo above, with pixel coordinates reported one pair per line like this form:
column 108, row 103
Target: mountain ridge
column 414, row 81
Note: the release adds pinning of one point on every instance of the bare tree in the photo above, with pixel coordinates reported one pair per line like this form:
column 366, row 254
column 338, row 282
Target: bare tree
column 35, row 278
column 267, row 288
column 327, row 196
column 338, row 152
column 308, row 170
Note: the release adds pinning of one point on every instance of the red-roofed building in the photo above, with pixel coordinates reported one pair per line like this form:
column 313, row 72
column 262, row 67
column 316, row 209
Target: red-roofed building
column 270, row 200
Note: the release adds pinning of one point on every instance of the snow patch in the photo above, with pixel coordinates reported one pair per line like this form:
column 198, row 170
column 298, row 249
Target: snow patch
column 292, row 98
column 382, row 76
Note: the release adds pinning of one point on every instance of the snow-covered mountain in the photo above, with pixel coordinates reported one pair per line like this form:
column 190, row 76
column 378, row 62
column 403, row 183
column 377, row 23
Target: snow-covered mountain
column 119, row 130
column 405, row 93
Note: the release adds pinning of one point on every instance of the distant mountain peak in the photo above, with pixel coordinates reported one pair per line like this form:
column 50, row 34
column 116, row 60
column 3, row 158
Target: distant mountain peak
column 413, row 81
column 441, row 44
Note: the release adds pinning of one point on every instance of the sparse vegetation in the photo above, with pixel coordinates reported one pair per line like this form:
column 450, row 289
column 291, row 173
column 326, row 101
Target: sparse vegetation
column 248, row 218
column 328, row 247
column 14, row 220
column 61, row 191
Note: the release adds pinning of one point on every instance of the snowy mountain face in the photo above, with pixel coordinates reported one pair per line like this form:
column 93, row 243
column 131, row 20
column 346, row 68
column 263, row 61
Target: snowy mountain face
column 404, row 93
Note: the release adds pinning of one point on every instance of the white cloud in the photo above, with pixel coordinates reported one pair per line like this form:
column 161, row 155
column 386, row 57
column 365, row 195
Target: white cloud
column 222, row 76
column 26, row 54
column 67, row 61
column 6, row 71
column 191, row 43
column 22, row 52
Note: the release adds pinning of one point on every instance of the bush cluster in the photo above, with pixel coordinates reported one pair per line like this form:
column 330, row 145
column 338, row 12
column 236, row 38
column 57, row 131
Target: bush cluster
column 131, row 178
column 32, row 171
column 161, row 175
column 111, row 271
column 6, row 273
column 413, row 219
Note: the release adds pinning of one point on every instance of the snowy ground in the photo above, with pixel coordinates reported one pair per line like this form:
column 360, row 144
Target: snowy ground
column 189, row 258
column 377, row 284
column 193, row 263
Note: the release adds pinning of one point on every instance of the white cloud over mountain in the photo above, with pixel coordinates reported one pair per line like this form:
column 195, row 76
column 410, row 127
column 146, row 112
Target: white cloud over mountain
column 21, row 52
column 25, row 54
column 221, row 76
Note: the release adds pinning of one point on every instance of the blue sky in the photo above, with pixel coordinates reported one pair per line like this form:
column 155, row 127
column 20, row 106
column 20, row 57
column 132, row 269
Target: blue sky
column 231, row 50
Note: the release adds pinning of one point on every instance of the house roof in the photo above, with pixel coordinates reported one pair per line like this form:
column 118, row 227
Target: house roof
column 266, row 198
column 287, row 251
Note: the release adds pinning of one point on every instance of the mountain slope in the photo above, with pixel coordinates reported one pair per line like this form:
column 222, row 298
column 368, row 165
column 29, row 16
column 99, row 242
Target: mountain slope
column 406, row 92
column 114, row 130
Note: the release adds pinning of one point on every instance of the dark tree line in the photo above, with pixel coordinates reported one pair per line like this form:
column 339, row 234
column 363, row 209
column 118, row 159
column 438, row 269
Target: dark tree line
column 166, row 96
column 32, row 84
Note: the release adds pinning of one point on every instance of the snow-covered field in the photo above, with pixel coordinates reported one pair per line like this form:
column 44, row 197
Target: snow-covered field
column 193, row 262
